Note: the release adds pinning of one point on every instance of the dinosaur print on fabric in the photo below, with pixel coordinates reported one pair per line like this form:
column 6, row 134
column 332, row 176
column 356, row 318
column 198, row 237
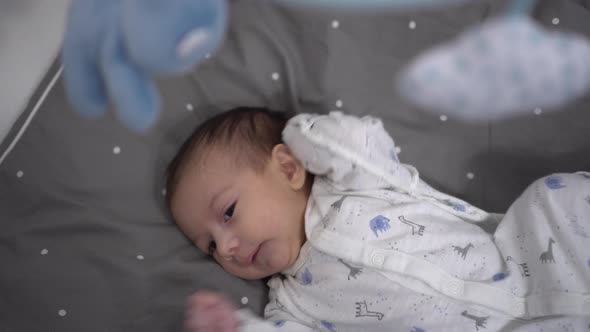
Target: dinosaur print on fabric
column 362, row 311
column 523, row 268
column 417, row 229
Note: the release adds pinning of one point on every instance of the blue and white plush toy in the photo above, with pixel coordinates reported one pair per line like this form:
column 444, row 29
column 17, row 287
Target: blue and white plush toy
column 507, row 66
column 115, row 48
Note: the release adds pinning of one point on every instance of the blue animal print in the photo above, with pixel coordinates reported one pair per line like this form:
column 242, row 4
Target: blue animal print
column 394, row 155
column 306, row 277
column 417, row 329
column 554, row 182
column 328, row 325
column 456, row 206
column 379, row 224
column 499, row 276
column 280, row 322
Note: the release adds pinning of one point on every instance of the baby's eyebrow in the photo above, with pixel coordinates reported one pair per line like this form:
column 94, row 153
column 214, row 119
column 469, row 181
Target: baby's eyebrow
column 217, row 195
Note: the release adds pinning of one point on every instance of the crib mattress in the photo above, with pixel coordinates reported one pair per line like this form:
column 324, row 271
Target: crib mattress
column 86, row 243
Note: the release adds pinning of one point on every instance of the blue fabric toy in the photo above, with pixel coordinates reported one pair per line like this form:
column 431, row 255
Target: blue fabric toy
column 115, row 48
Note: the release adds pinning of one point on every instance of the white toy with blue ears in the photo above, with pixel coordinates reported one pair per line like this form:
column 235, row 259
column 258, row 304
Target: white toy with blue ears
column 489, row 72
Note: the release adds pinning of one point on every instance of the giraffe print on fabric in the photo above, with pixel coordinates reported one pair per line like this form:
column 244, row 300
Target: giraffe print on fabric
column 354, row 271
column 479, row 321
column 547, row 256
column 338, row 204
column 463, row 251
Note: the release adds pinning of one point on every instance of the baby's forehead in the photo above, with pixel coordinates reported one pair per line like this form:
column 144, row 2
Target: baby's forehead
column 213, row 158
column 232, row 157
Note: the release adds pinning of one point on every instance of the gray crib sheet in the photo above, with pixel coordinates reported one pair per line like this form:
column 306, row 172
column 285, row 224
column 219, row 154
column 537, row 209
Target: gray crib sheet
column 86, row 243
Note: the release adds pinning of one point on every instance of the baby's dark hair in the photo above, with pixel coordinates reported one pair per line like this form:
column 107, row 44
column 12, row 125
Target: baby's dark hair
column 248, row 133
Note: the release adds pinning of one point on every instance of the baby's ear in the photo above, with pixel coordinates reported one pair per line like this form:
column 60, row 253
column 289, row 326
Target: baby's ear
column 289, row 166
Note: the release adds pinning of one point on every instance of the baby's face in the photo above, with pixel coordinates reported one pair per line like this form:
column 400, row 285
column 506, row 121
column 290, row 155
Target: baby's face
column 252, row 224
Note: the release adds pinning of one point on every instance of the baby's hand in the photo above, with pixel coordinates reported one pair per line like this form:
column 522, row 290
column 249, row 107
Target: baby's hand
column 210, row 312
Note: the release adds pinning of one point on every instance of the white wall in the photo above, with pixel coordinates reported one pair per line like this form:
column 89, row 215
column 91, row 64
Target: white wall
column 30, row 37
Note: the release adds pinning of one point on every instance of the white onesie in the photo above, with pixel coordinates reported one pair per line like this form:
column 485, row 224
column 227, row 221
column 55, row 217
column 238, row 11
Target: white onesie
column 386, row 252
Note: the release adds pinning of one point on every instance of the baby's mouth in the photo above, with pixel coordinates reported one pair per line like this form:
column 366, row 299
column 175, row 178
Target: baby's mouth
column 253, row 257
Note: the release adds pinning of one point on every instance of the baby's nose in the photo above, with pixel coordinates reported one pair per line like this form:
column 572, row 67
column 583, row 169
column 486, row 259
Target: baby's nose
column 228, row 247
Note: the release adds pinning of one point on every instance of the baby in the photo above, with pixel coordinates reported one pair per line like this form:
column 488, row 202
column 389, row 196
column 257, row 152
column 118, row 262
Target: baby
column 355, row 241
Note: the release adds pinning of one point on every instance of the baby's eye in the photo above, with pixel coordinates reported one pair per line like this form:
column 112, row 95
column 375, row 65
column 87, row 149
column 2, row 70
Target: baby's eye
column 212, row 247
column 229, row 213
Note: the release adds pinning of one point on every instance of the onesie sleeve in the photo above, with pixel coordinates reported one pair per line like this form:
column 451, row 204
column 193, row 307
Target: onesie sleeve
column 252, row 323
column 355, row 153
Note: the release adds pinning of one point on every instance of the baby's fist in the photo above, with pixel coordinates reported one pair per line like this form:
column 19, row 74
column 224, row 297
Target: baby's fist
column 210, row 312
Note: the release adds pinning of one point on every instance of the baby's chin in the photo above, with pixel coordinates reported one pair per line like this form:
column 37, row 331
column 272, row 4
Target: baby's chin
column 253, row 273
column 272, row 259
